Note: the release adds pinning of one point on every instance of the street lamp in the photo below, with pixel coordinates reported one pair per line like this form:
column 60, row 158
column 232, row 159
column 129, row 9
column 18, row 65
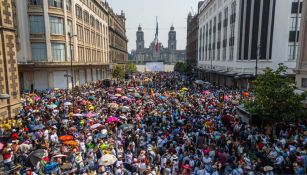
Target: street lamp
column 71, row 70
column 258, row 57
column 4, row 96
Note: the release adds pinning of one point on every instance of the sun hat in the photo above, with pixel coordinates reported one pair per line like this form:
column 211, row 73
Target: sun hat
column 267, row 168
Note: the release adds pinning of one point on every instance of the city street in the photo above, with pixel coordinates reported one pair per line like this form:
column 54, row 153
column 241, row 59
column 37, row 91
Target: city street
column 161, row 123
column 164, row 87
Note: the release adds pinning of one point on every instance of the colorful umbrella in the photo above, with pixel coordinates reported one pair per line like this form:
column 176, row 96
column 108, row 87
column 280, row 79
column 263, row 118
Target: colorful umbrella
column 66, row 138
column 95, row 126
column 112, row 120
column 71, row 143
column 67, row 103
column 107, row 159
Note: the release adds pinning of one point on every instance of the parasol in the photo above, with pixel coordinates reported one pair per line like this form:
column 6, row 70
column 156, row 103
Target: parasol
column 36, row 156
column 64, row 138
column 118, row 95
column 184, row 89
column 113, row 105
column 199, row 81
column 59, row 155
column 71, row 143
column 112, row 120
column 95, row 126
column 52, row 106
column 77, row 115
column 126, row 127
column 38, row 127
column 67, row 103
column 92, row 98
column 107, row 159
column 90, row 115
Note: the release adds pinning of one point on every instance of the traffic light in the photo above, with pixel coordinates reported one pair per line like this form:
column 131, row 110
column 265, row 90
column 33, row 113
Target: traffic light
column 221, row 96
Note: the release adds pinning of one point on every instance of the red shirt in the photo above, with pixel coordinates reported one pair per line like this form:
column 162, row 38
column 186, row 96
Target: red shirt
column 14, row 136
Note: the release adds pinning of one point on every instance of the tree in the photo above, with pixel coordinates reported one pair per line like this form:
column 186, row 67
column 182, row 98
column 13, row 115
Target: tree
column 118, row 72
column 180, row 67
column 275, row 99
column 131, row 68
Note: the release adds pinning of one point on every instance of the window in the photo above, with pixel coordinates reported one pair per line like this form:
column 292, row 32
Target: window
column 86, row 17
column 92, row 21
column 293, row 51
column 80, row 33
column 39, row 52
column 37, row 25
column 55, row 3
column 78, row 12
column 97, row 24
column 87, row 35
column 224, row 53
column 36, row 2
column 294, row 36
column 69, row 26
column 93, row 38
column 295, row 23
column 58, row 51
column 296, row 7
column 68, row 5
column 56, row 25
column 304, row 82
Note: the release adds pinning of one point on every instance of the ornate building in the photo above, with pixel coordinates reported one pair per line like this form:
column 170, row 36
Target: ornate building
column 9, row 83
column 156, row 52
column 52, row 32
column 117, row 37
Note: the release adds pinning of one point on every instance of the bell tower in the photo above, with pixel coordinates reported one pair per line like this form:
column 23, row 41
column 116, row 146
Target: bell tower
column 172, row 42
column 140, row 39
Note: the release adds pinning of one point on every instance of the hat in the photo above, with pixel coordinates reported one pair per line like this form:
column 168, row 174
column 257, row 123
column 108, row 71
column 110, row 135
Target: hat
column 174, row 157
column 268, row 168
column 104, row 132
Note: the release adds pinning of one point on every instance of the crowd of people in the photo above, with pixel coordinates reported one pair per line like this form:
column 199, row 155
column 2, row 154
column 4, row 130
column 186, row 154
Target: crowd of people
column 155, row 123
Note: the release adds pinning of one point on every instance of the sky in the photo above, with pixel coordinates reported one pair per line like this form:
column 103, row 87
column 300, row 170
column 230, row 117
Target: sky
column 144, row 12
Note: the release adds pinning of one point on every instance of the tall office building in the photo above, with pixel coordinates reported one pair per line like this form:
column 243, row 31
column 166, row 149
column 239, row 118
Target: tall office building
column 234, row 33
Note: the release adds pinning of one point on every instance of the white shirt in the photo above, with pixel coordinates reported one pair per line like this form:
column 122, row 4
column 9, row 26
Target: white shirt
column 54, row 138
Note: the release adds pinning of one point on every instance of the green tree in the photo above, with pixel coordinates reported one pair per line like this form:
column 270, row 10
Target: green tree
column 180, row 67
column 275, row 99
column 118, row 72
column 131, row 68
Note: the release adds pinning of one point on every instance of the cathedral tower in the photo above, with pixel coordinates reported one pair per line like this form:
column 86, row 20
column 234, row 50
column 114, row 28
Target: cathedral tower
column 172, row 42
column 140, row 39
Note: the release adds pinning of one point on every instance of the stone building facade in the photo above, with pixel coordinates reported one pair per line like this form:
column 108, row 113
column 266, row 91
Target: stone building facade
column 156, row 52
column 301, row 76
column 9, row 83
column 192, row 40
column 117, row 37
column 44, row 49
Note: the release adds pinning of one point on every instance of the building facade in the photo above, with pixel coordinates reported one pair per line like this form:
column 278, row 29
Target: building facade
column 117, row 38
column 233, row 34
column 192, row 40
column 9, row 83
column 51, row 33
column 301, row 76
column 156, row 52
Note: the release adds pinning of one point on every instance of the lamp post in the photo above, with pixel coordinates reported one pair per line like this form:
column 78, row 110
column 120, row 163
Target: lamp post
column 258, row 57
column 71, row 70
